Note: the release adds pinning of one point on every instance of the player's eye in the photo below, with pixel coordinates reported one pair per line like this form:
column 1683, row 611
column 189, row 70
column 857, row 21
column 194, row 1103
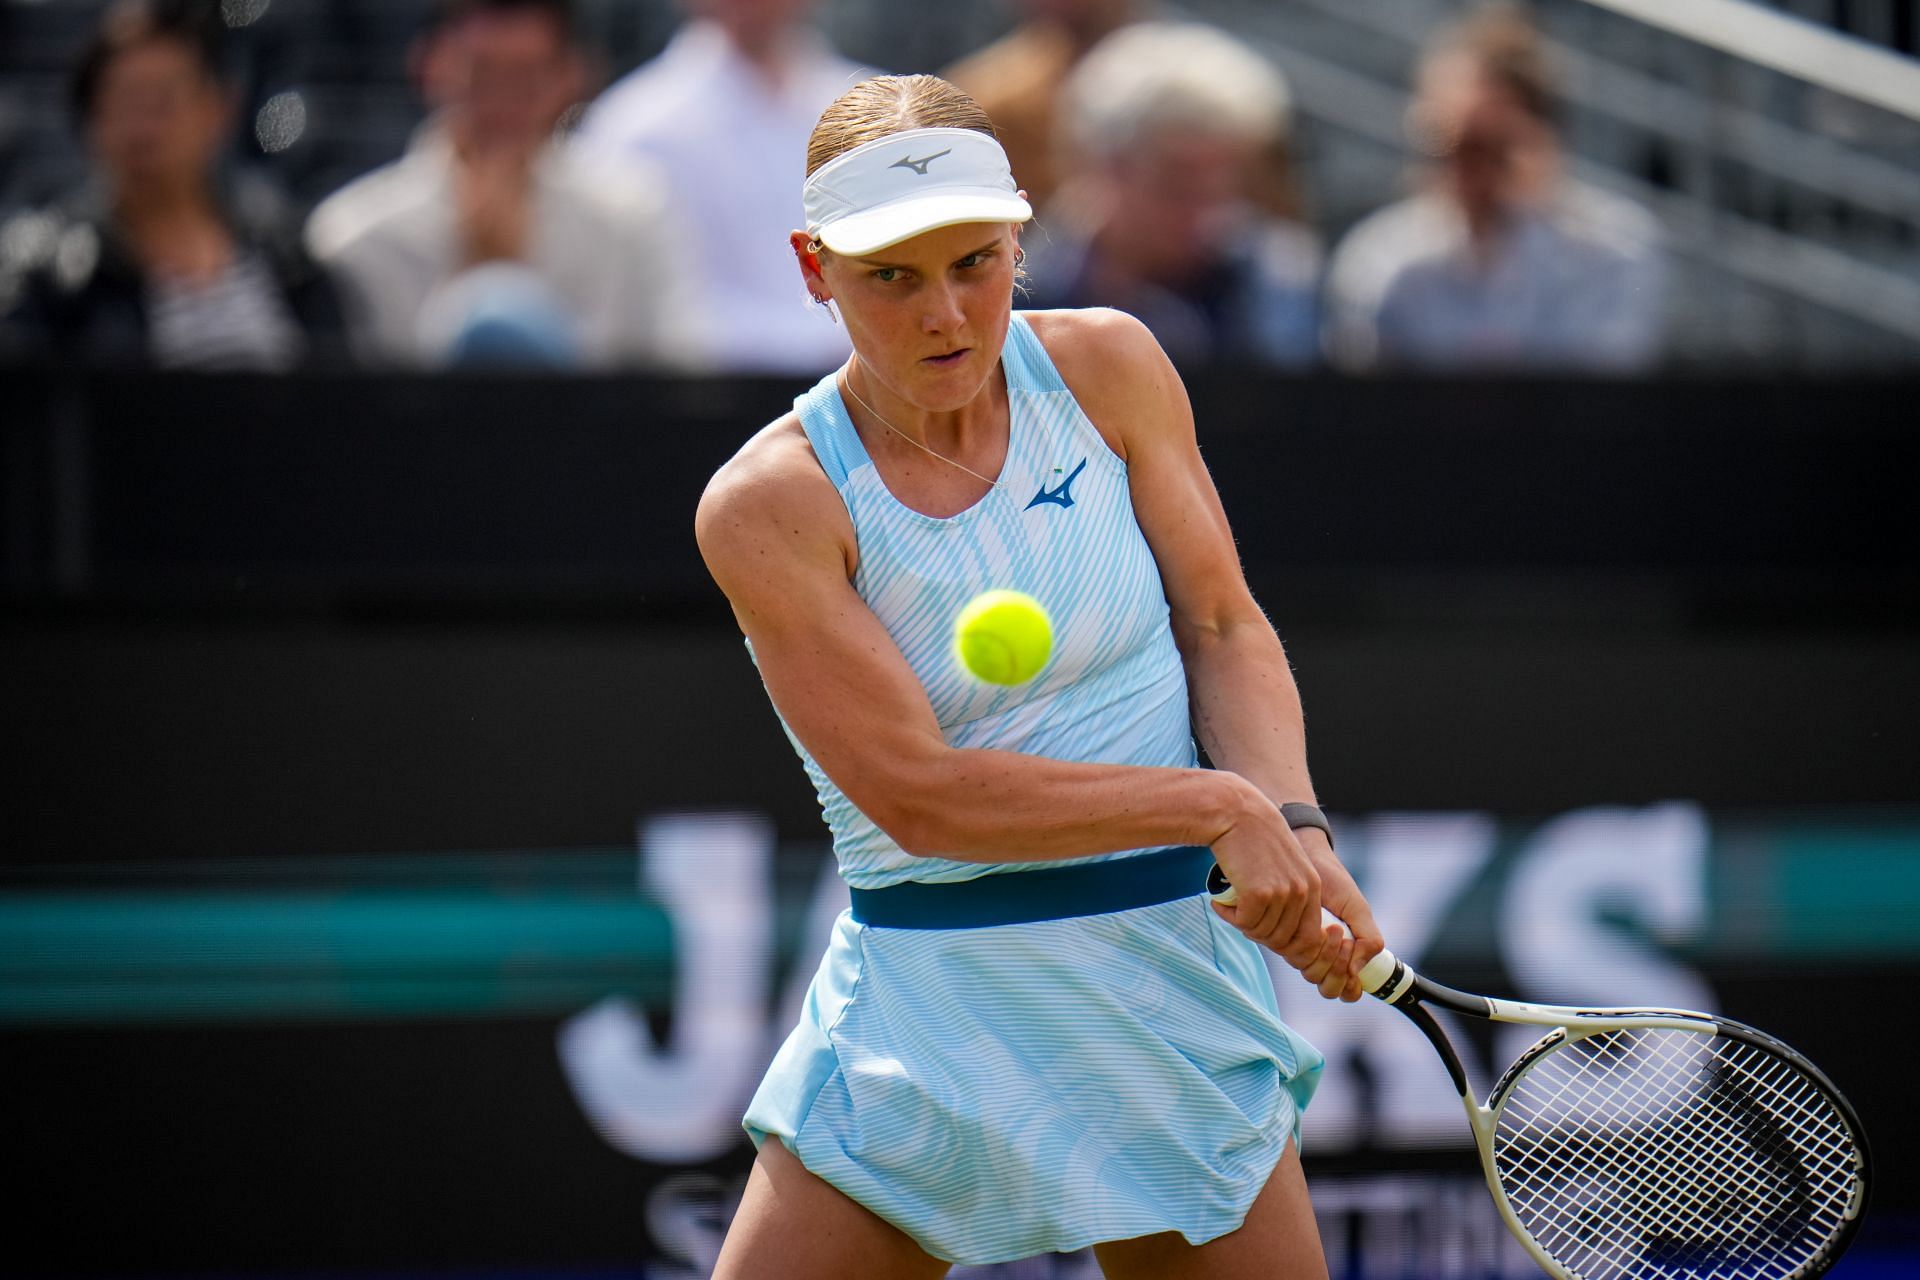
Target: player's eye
column 887, row 275
column 972, row 260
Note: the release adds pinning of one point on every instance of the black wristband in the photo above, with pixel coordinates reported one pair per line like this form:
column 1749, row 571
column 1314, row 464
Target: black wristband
column 1298, row 813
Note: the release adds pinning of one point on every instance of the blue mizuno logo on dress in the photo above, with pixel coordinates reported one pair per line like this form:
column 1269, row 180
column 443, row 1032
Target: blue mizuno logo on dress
column 1060, row 495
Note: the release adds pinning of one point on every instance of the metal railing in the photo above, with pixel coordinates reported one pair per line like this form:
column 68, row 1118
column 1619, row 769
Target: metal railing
column 1753, row 193
column 1804, row 50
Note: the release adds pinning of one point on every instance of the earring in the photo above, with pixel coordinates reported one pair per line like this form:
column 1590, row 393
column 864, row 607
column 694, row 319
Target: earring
column 1019, row 257
column 819, row 301
column 814, row 246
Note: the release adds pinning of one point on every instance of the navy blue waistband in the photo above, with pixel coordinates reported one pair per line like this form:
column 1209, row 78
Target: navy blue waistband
column 1044, row 893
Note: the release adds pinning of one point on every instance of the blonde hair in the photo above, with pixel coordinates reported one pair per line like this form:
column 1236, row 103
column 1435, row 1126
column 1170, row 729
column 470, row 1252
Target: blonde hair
column 885, row 105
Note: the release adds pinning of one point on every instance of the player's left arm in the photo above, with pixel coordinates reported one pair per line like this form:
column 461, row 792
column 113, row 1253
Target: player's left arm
column 1246, row 707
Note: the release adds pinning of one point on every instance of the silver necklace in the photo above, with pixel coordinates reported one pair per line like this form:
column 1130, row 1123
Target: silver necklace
column 846, row 381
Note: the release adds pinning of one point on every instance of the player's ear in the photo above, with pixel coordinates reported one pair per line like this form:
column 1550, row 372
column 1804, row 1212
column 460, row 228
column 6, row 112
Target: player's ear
column 807, row 251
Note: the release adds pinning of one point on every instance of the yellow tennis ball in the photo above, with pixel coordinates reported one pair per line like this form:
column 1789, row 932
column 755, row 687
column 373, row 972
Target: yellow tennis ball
column 1003, row 637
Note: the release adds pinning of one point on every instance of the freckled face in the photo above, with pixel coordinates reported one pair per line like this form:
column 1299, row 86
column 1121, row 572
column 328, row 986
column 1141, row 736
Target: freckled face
column 928, row 316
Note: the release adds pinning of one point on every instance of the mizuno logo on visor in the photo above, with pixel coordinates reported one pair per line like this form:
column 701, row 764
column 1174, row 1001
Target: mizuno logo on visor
column 919, row 166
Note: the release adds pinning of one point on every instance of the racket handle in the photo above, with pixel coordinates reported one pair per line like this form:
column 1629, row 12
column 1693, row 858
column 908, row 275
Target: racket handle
column 1375, row 972
column 1373, row 975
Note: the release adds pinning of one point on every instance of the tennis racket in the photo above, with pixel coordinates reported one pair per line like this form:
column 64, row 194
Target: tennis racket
column 1650, row 1144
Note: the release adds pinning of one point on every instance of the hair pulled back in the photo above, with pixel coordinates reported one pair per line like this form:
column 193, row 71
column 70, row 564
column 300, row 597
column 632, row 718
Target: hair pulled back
column 885, row 105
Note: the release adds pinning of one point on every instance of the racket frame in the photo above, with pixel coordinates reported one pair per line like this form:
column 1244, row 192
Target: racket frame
column 1412, row 995
column 1388, row 978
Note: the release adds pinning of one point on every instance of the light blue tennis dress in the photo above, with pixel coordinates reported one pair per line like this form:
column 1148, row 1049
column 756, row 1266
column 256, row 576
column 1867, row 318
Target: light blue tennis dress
column 1018, row 1089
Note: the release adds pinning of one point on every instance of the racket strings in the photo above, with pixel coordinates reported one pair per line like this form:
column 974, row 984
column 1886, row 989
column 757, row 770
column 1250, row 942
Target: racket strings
column 1606, row 1246
column 1569, row 1165
column 1671, row 1212
column 1672, row 1162
column 1656, row 1154
column 1669, row 1191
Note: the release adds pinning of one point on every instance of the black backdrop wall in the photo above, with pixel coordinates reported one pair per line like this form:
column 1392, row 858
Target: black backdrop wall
column 278, row 643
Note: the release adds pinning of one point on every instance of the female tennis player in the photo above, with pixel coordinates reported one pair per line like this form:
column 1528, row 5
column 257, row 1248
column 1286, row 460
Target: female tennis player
column 1033, row 1031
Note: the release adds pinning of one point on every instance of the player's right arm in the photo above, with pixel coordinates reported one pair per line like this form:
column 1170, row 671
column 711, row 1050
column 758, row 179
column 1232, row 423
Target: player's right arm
column 781, row 545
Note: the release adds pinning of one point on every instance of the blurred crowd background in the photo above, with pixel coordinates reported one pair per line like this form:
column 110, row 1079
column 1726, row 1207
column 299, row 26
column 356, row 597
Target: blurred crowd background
column 595, row 184
column 380, row 739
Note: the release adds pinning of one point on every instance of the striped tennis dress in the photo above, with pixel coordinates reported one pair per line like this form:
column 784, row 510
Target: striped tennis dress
column 1017, row 1089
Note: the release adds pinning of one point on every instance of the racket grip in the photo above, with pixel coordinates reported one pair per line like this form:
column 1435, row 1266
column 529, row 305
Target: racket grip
column 1373, row 975
column 1375, row 972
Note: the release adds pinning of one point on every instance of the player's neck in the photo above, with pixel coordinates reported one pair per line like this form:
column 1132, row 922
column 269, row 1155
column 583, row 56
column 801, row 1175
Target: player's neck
column 945, row 431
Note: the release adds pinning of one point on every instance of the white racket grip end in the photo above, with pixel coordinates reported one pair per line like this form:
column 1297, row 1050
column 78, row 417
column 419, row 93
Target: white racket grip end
column 1373, row 974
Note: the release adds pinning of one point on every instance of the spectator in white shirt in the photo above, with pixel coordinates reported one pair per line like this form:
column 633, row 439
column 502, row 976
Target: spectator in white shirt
column 1502, row 262
column 726, row 110
column 492, row 240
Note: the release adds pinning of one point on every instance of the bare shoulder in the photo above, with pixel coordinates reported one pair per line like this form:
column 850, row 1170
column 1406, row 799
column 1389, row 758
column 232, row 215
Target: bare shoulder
column 770, row 503
column 1092, row 346
column 1115, row 368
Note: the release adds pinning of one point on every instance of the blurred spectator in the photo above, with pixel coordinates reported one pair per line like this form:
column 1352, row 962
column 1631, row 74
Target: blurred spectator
column 1018, row 78
column 1171, row 128
column 163, row 257
column 1502, row 261
column 726, row 110
column 493, row 240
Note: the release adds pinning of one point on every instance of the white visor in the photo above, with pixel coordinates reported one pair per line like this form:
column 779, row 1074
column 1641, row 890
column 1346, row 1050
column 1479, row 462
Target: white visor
column 906, row 183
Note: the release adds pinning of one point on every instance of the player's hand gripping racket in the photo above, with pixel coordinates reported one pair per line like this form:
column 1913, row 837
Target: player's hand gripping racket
column 1650, row 1144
